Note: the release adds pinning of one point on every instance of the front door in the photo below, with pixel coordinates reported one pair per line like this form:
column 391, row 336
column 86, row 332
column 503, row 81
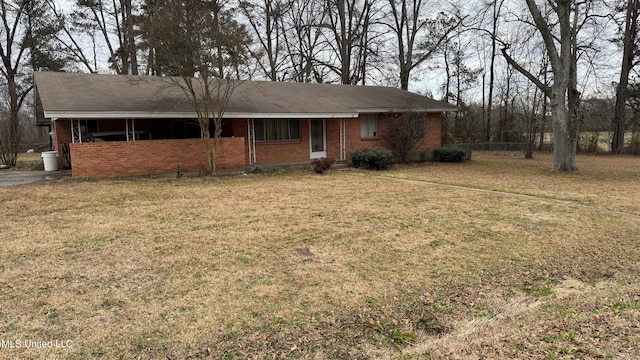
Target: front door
column 317, row 138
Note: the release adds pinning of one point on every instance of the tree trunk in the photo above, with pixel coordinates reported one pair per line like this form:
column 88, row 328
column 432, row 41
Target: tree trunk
column 404, row 77
column 345, row 43
column 619, row 122
column 544, row 112
column 469, row 151
column 617, row 141
column 131, row 41
column 211, row 155
column 542, row 129
column 564, row 142
column 496, row 14
column 528, row 150
column 11, row 132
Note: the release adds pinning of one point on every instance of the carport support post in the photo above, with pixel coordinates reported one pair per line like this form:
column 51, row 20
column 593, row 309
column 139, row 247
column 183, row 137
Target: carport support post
column 76, row 132
column 131, row 130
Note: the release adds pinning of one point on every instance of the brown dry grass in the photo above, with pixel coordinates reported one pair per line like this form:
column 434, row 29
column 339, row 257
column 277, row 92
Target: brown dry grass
column 605, row 181
column 337, row 266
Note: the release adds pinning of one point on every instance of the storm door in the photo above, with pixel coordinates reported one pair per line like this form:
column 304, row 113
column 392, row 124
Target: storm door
column 317, row 138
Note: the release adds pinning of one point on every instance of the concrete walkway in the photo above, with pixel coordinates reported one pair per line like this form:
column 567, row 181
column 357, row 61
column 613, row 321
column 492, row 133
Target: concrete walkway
column 13, row 178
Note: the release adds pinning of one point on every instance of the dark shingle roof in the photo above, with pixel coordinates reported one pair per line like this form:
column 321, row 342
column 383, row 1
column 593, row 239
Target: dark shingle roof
column 76, row 95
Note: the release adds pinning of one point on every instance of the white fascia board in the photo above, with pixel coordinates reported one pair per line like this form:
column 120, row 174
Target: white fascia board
column 290, row 115
column 188, row 115
column 404, row 110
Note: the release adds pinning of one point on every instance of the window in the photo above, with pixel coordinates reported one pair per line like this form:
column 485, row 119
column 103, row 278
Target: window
column 368, row 125
column 276, row 129
column 416, row 125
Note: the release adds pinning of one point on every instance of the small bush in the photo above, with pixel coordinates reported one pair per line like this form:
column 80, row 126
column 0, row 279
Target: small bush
column 448, row 155
column 426, row 156
column 321, row 165
column 376, row 158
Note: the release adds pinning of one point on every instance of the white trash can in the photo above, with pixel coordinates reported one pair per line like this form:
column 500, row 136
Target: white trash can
column 50, row 159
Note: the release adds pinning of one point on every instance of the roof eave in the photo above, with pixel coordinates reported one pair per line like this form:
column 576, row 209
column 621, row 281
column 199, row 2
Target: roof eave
column 407, row 110
column 188, row 115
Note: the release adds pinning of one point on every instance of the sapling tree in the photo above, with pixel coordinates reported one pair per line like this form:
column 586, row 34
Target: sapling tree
column 209, row 95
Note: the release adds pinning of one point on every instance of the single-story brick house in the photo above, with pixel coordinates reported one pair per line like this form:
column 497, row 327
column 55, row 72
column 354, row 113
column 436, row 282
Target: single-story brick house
column 121, row 125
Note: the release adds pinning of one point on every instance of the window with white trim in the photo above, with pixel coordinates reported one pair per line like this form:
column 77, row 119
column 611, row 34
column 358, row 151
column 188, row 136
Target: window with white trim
column 276, row 129
column 368, row 125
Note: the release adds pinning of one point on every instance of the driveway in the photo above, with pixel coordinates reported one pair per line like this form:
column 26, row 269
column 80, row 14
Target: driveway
column 12, row 178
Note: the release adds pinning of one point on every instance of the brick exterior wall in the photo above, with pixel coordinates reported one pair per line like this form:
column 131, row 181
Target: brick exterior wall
column 111, row 159
column 432, row 132
column 239, row 128
column 279, row 152
column 60, row 134
column 430, row 141
column 333, row 137
column 121, row 158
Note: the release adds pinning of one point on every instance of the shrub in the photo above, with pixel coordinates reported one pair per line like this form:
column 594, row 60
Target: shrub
column 376, row 158
column 448, row 155
column 321, row 165
column 426, row 156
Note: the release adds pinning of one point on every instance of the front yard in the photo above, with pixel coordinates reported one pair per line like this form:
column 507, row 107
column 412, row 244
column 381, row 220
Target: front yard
column 344, row 265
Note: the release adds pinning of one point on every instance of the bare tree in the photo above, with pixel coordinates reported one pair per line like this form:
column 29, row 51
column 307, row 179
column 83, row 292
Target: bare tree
column 530, row 105
column 109, row 25
column 25, row 33
column 471, row 120
column 418, row 38
column 72, row 40
column 561, row 50
column 459, row 76
column 507, row 100
column 349, row 25
column 303, row 40
column 209, row 95
column 496, row 9
column 266, row 19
